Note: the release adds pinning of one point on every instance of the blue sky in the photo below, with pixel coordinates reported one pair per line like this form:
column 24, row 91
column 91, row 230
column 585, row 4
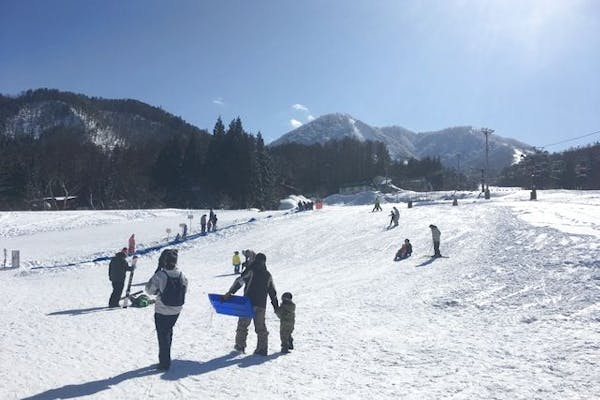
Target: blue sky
column 528, row 69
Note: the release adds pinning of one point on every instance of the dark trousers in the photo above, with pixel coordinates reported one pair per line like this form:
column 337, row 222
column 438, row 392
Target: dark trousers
column 116, row 293
column 164, row 332
column 436, row 248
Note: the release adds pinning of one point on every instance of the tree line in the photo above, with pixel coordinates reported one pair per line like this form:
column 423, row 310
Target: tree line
column 230, row 168
column 577, row 168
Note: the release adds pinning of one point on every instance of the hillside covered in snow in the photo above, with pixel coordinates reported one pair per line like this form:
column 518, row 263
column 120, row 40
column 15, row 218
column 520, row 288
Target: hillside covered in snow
column 512, row 313
column 465, row 142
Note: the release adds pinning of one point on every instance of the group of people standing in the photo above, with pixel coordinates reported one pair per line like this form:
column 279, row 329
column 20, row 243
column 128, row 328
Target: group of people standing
column 210, row 224
column 305, row 205
column 169, row 285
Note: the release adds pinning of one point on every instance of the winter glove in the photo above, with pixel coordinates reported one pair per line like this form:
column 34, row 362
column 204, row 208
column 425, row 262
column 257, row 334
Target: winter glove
column 225, row 297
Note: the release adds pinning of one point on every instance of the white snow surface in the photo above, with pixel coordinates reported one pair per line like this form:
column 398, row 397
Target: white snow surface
column 513, row 313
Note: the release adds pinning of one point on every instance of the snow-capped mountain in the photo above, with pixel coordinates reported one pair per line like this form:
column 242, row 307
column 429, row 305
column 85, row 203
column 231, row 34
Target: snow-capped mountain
column 107, row 123
column 464, row 142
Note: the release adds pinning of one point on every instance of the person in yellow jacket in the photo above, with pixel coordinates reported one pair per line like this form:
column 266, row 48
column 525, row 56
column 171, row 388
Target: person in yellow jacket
column 236, row 261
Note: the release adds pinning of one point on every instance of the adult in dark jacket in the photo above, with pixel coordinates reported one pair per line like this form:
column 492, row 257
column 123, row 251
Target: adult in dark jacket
column 116, row 273
column 258, row 283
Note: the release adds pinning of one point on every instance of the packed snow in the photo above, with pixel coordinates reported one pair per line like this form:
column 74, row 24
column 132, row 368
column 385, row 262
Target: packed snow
column 512, row 313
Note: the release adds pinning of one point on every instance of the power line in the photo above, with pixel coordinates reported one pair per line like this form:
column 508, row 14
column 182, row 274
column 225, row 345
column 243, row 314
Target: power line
column 570, row 140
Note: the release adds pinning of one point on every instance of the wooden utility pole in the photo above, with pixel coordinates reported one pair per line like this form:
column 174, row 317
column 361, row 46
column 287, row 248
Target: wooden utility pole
column 487, row 132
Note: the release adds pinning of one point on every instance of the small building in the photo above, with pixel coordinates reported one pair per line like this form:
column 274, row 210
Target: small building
column 54, row 203
column 353, row 188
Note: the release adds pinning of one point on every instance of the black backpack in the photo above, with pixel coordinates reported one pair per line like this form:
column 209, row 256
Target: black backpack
column 174, row 293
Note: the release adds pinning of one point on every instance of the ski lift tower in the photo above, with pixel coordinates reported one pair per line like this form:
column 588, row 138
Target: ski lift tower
column 487, row 132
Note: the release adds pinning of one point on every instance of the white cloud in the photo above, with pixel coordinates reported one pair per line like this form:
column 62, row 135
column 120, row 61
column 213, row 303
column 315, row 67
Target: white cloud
column 219, row 101
column 295, row 123
column 310, row 118
column 300, row 107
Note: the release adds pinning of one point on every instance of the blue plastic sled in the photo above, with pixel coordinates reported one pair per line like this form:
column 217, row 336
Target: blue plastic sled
column 238, row 306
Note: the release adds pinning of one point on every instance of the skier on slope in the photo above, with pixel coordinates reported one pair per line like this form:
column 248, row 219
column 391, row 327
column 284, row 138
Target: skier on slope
column 170, row 287
column 377, row 206
column 258, row 283
column 116, row 273
column 435, row 235
column 394, row 217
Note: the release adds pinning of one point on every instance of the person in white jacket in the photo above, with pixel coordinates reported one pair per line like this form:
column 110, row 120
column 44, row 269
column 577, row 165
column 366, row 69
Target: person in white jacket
column 435, row 235
column 170, row 287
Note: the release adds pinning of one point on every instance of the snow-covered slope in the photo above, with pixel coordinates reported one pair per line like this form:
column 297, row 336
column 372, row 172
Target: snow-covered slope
column 513, row 312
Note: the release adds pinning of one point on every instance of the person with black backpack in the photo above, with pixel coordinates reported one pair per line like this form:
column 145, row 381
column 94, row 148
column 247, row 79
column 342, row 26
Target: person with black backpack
column 170, row 286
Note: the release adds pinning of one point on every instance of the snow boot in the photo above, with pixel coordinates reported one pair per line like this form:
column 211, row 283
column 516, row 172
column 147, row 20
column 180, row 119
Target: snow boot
column 260, row 352
column 238, row 348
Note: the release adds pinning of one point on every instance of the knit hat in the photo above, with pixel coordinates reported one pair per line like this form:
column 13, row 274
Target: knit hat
column 286, row 296
column 260, row 257
column 171, row 258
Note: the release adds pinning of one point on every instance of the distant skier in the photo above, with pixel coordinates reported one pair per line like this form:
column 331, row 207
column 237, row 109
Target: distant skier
column 258, row 283
column 377, row 206
column 236, row 261
column 117, row 269
column 214, row 222
column 211, row 215
column 287, row 317
column 436, row 234
column 184, row 227
column 131, row 248
column 170, row 287
column 394, row 217
column 404, row 252
column 203, row 224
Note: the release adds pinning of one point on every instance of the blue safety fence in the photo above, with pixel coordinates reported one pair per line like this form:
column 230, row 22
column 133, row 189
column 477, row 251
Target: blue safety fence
column 151, row 249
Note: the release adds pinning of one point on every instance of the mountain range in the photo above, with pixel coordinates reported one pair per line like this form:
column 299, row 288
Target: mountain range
column 105, row 122
column 109, row 123
column 464, row 145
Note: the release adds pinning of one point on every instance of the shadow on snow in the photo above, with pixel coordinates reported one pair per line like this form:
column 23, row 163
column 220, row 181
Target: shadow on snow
column 184, row 368
column 90, row 388
column 426, row 263
column 179, row 369
column 82, row 311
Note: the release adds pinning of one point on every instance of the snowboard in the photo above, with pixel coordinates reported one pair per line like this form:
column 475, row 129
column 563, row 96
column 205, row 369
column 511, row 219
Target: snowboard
column 128, row 291
column 237, row 306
